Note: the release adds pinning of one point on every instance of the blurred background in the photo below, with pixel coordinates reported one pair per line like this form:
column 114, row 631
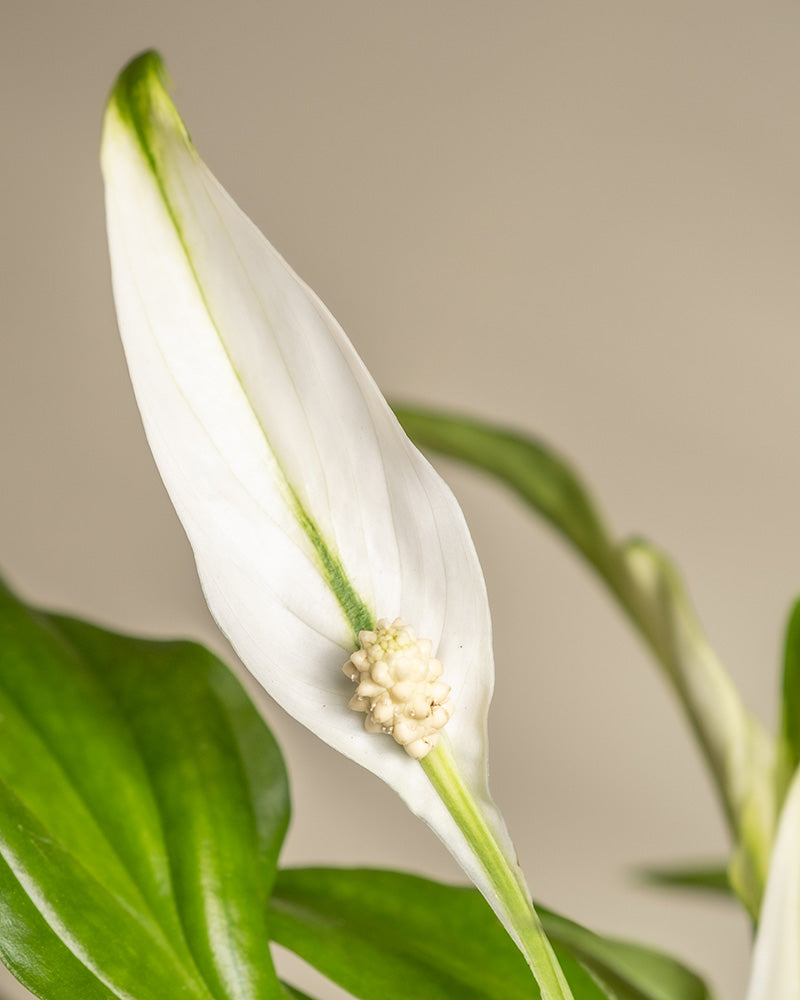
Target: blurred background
column 577, row 219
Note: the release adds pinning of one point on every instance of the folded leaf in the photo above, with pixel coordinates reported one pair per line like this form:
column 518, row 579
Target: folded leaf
column 142, row 805
column 386, row 935
column 739, row 752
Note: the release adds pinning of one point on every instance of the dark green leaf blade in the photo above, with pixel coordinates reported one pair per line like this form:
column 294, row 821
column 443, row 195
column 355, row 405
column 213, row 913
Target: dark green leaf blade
column 144, row 767
column 55, row 718
column 80, row 910
column 374, row 932
column 31, row 950
column 222, row 869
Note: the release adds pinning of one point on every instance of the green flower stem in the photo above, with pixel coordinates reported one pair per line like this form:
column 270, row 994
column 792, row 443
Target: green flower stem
column 444, row 775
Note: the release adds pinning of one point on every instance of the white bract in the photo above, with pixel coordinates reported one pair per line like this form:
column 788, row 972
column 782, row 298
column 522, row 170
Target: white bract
column 309, row 511
column 775, row 973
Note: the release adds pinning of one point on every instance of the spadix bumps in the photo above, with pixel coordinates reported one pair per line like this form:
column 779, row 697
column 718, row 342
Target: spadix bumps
column 399, row 686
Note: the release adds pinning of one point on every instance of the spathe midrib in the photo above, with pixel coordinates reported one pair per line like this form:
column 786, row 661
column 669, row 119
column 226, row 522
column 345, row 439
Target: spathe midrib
column 354, row 608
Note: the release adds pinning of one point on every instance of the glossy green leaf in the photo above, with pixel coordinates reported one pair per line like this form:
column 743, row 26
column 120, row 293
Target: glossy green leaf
column 142, row 806
column 699, row 878
column 739, row 752
column 385, row 935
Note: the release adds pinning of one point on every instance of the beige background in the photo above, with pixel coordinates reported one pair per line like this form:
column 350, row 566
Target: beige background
column 581, row 219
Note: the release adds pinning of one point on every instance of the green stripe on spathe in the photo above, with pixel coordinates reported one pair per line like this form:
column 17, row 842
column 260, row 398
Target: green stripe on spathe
column 141, row 101
column 357, row 613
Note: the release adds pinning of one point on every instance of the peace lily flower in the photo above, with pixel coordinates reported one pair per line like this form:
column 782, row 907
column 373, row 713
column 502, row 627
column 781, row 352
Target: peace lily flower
column 775, row 972
column 314, row 521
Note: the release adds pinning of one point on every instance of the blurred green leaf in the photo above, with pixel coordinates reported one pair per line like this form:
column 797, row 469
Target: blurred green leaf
column 700, row 878
column 142, row 806
column 542, row 478
column 790, row 713
column 385, row 935
column 629, row 971
column 739, row 752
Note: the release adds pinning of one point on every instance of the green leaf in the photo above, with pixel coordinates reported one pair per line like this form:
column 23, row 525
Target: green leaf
column 386, row 935
column 739, row 752
column 711, row 878
column 704, row 878
column 543, row 479
column 142, row 806
column 628, row 971
column 790, row 727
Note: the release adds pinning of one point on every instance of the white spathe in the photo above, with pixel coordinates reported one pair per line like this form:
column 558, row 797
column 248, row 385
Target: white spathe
column 775, row 971
column 256, row 404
